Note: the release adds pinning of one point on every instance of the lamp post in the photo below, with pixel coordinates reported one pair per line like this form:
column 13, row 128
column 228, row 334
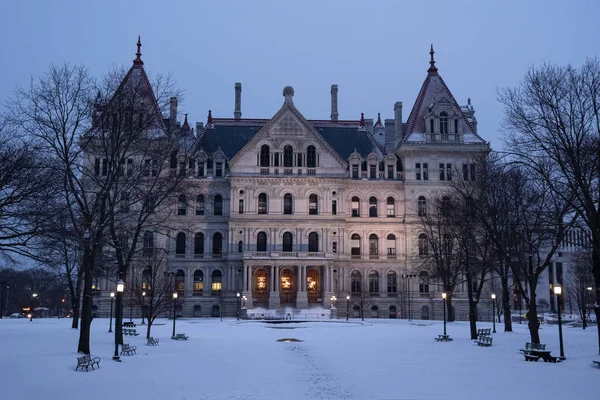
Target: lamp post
column 333, row 299
column 143, row 306
column 174, row 311
column 558, row 292
column 239, row 300
column 444, row 297
column 494, row 312
column 347, row 307
column 112, row 297
column 118, row 318
column 584, row 305
column 33, row 297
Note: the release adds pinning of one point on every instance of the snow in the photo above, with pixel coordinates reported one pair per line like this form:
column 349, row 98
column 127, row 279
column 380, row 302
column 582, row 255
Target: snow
column 377, row 359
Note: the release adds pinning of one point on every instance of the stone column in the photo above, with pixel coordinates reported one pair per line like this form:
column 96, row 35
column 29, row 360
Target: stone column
column 274, row 300
column 247, row 286
column 301, row 295
column 329, row 287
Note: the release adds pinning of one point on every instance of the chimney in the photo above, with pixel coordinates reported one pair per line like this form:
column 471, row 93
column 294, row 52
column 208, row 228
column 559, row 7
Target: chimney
column 237, row 113
column 173, row 110
column 334, row 103
column 398, row 119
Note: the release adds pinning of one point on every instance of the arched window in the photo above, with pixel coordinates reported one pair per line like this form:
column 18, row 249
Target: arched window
column 287, row 241
column 423, row 246
column 216, row 283
column 422, row 206
column 217, row 248
column 356, row 286
column 425, row 313
column 260, row 284
column 392, row 312
column 313, row 204
column 180, row 282
column 374, row 312
column 216, row 311
column 182, row 205
column 288, row 204
column 218, row 204
column 199, row 243
column 391, row 207
column 197, row 310
column 446, row 206
column 444, row 125
column 261, row 241
column 198, row 282
column 355, row 207
column 391, row 245
column 373, row 283
column 286, row 283
column 180, row 244
column 392, row 283
column 262, row 203
column 200, row 204
column 312, row 281
column 423, row 282
column 373, row 245
column 355, row 245
column 372, row 207
column 264, row 155
column 288, row 156
column 313, row 242
column 311, row 157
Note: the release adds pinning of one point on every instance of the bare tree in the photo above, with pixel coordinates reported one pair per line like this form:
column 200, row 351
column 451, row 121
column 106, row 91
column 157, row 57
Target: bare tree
column 152, row 287
column 578, row 282
column 552, row 121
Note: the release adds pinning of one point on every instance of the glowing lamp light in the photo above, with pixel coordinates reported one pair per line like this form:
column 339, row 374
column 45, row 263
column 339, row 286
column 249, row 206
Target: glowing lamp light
column 347, row 297
column 143, row 293
column 444, row 295
column 493, row 296
column 112, row 294
column 238, row 294
column 175, row 295
column 557, row 290
column 120, row 286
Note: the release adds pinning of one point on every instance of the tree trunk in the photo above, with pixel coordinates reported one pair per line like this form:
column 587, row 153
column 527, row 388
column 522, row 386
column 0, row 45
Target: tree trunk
column 532, row 319
column 596, row 271
column 86, row 307
column 449, row 313
column 473, row 319
column 506, row 304
column 76, row 296
column 150, row 321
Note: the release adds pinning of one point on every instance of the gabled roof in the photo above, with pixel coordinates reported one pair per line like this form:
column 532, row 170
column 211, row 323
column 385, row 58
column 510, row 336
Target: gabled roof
column 231, row 135
column 136, row 78
column 432, row 89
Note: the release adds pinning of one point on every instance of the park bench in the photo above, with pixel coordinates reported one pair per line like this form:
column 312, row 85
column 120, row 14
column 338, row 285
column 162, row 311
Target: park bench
column 127, row 349
column 485, row 341
column 152, row 341
column 529, row 357
column 86, row 361
column 532, row 346
column 443, row 338
column 180, row 336
column 484, row 332
column 130, row 332
column 128, row 324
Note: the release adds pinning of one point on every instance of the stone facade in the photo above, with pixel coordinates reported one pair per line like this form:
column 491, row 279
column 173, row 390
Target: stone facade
column 290, row 213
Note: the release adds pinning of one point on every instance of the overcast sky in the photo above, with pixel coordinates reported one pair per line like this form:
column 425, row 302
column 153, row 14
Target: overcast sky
column 376, row 51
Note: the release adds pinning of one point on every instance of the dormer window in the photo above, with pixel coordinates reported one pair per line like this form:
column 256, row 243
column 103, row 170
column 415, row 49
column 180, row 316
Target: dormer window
column 288, row 156
column 431, row 125
column 264, row 156
column 311, row 157
column 355, row 171
column 444, row 125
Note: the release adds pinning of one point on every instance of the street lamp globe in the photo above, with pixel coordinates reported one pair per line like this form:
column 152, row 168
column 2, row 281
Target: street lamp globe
column 238, row 294
column 493, row 296
column 347, row 297
column 120, row 286
column 175, row 295
column 112, row 294
column 34, row 295
column 557, row 290
column 444, row 295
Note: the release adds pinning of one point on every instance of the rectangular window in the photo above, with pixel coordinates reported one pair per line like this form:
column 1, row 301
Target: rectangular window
column 354, row 171
column 455, row 126
column 299, row 159
column 390, row 171
column 182, row 168
column 241, row 206
column 425, row 172
column 129, row 166
column 218, row 169
column 373, row 171
column 466, row 172
column 418, row 171
column 431, row 125
column 473, row 172
column 442, row 172
column 97, row 166
column 449, row 172
column 276, row 159
column 333, row 207
column 200, row 169
column 391, row 284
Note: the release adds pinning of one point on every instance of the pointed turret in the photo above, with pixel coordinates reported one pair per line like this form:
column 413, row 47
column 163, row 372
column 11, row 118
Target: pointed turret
column 138, row 55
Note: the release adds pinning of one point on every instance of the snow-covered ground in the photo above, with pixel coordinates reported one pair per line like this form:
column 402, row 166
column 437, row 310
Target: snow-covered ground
column 377, row 359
